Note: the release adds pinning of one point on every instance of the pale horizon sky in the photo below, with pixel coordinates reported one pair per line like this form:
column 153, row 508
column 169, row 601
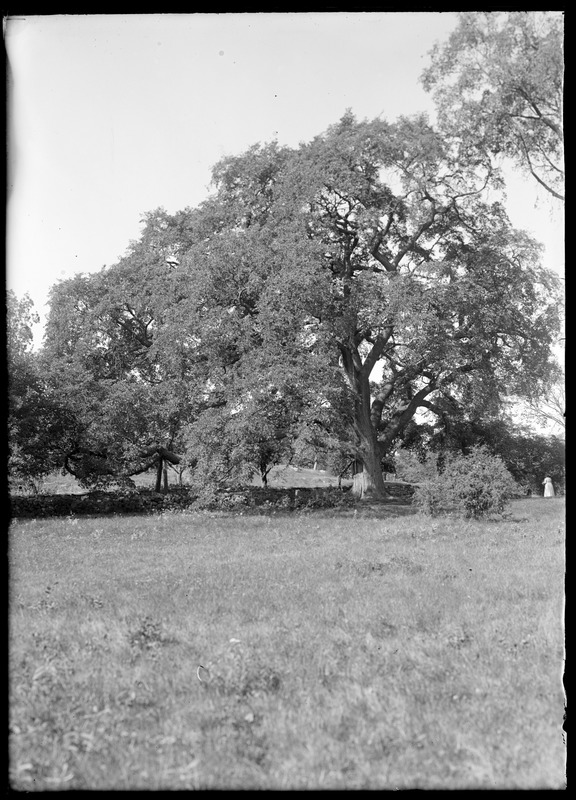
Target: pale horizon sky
column 111, row 116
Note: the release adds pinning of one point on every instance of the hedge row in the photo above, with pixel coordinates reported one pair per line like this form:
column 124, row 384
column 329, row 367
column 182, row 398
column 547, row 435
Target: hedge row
column 146, row 501
column 150, row 502
column 94, row 503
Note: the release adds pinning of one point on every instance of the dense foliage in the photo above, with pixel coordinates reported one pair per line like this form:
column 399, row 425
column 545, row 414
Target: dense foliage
column 248, row 499
column 39, row 425
column 498, row 85
column 475, row 485
column 527, row 455
column 319, row 299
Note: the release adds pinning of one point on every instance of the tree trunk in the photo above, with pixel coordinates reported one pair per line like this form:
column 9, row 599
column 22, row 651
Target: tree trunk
column 165, row 475
column 158, row 486
column 369, row 453
column 362, row 484
column 373, row 466
column 368, row 448
column 369, row 481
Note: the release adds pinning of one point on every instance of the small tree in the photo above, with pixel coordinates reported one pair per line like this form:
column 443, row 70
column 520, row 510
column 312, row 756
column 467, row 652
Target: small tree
column 38, row 420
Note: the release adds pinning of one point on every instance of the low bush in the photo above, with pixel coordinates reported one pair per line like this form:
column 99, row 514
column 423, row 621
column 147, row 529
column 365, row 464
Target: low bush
column 415, row 467
column 430, row 497
column 474, row 485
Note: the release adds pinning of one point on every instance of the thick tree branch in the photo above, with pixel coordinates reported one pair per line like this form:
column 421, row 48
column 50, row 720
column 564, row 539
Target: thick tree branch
column 544, row 119
column 396, row 425
column 532, row 171
column 374, row 250
column 376, row 351
column 165, row 454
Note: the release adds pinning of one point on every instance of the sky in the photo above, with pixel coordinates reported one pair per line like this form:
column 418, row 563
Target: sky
column 112, row 116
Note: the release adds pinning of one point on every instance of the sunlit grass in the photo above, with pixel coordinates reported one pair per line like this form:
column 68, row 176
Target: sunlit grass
column 340, row 651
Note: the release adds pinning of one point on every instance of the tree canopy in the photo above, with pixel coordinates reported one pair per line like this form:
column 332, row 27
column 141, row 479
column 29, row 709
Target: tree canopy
column 322, row 294
column 39, row 426
column 498, row 87
column 127, row 386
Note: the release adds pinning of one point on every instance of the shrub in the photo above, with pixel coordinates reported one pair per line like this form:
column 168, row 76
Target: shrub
column 475, row 485
column 430, row 497
column 272, row 499
column 143, row 501
column 416, row 468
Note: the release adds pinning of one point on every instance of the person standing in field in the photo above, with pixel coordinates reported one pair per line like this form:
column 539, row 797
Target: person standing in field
column 548, row 487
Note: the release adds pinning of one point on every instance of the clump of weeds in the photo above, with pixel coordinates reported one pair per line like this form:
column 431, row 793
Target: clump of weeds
column 147, row 637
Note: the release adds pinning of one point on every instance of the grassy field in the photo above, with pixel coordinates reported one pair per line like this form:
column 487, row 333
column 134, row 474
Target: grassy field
column 375, row 650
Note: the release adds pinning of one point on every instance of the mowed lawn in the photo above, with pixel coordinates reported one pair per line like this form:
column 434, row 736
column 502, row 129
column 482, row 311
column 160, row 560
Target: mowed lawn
column 379, row 651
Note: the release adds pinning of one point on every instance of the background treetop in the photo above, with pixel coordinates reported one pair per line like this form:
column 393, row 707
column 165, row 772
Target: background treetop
column 498, row 84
